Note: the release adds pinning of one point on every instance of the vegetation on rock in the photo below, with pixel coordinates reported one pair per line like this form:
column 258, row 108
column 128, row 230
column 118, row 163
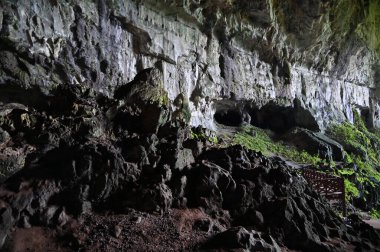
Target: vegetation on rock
column 203, row 135
column 361, row 166
column 258, row 139
column 362, row 163
column 369, row 28
column 362, row 17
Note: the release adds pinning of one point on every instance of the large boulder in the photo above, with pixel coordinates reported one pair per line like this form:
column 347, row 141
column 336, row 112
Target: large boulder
column 263, row 194
column 209, row 183
column 90, row 162
column 148, row 101
column 4, row 136
column 146, row 87
column 241, row 238
column 316, row 143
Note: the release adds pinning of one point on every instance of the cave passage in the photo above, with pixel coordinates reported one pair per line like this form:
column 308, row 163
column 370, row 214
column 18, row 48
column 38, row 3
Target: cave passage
column 279, row 119
column 229, row 117
column 276, row 118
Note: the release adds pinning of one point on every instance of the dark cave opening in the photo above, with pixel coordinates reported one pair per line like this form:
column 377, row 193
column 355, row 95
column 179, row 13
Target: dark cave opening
column 229, row 117
column 281, row 119
column 366, row 117
column 274, row 117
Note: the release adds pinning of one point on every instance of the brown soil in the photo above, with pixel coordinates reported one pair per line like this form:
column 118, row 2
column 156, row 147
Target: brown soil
column 35, row 239
column 135, row 231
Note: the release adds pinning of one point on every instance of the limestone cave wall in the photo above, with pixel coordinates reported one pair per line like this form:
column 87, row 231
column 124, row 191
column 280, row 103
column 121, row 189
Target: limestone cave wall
column 313, row 54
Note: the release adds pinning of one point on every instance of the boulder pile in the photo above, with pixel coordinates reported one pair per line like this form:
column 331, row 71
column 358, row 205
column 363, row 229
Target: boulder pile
column 78, row 155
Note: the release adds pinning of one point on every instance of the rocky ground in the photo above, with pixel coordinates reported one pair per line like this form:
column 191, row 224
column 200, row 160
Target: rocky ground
column 96, row 99
column 90, row 173
column 374, row 223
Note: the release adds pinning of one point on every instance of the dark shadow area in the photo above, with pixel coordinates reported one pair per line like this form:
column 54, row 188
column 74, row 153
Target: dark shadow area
column 366, row 117
column 56, row 102
column 10, row 93
column 273, row 117
column 281, row 119
column 229, row 117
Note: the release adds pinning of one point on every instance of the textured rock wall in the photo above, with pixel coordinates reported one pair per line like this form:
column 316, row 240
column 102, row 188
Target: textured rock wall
column 258, row 51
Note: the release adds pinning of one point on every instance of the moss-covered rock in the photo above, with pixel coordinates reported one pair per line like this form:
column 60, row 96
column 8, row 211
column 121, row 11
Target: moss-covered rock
column 362, row 162
column 258, row 139
column 369, row 29
column 146, row 87
column 182, row 113
column 360, row 167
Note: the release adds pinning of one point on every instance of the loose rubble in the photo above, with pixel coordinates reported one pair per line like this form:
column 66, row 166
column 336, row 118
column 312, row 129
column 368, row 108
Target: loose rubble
column 93, row 162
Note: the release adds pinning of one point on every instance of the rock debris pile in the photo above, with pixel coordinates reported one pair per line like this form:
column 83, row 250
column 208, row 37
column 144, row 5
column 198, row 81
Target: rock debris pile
column 80, row 157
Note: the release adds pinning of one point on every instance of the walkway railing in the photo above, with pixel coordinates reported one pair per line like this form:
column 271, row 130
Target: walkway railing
column 329, row 186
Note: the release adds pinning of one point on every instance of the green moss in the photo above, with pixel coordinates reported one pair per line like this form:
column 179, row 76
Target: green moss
column 255, row 139
column 363, row 153
column 347, row 15
column 213, row 139
column 183, row 112
column 258, row 140
column 202, row 136
column 351, row 190
column 186, row 112
column 344, row 18
column 361, row 165
column 357, row 140
column 164, row 98
column 361, row 17
column 345, row 172
column 375, row 214
column 369, row 29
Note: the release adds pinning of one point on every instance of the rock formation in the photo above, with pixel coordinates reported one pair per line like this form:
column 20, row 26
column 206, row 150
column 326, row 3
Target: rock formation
column 88, row 161
column 106, row 109
column 287, row 52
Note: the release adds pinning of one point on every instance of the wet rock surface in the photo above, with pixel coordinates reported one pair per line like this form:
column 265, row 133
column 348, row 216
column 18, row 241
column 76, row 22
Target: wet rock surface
column 100, row 183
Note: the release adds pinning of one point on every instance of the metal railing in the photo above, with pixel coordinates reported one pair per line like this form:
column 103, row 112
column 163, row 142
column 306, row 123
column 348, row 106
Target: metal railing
column 329, row 186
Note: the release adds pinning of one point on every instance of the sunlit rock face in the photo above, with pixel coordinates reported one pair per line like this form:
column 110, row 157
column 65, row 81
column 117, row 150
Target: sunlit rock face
column 290, row 53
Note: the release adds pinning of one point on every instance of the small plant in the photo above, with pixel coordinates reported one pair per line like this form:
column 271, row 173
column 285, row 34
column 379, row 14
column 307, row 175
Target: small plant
column 375, row 214
column 200, row 135
column 351, row 190
column 213, row 139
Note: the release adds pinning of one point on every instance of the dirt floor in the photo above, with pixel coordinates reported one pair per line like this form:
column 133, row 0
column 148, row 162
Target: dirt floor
column 135, row 231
